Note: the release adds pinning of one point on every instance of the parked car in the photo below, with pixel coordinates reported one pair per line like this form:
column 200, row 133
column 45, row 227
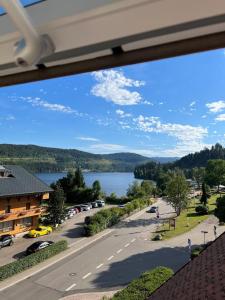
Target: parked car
column 70, row 213
column 89, row 204
column 6, row 240
column 100, row 203
column 40, row 230
column 78, row 208
column 152, row 209
column 121, row 205
column 37, row 246
column 87, row 220
column 94, row 204
column 85, row 207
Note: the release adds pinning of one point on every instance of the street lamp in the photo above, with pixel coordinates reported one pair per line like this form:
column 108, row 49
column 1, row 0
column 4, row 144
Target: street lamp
column 204, row 232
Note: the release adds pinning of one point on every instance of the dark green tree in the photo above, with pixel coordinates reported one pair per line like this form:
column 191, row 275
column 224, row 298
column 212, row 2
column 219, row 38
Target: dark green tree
column 56, row 208
column 205, row 195
column 215, row 172
column 96, row 188
column 220, row 209
column 78, row 179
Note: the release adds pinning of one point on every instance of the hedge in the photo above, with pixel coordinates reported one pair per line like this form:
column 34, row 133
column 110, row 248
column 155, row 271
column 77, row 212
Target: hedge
column 111, row 216
column 31, row 260
column 145, row 285
column 202, row 210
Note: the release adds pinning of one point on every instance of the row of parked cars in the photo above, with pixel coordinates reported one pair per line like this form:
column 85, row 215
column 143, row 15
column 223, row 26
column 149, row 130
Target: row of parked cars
column 84, row 207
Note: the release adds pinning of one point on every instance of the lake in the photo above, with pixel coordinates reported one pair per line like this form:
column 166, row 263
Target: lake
column 115, row 182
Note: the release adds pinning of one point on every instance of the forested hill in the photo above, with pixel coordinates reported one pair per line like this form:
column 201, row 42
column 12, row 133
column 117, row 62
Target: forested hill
column 45, row 159
column 152, row 170
column 199, row 159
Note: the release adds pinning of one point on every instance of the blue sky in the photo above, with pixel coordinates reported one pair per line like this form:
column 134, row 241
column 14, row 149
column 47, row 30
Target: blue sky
column 164, row 108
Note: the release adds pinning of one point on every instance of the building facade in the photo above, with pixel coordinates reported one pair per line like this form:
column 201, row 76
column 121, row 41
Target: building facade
column 21, row 199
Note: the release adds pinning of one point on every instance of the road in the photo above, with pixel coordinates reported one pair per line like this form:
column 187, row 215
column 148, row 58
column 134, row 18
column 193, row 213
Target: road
column 108, row 264
column 71, row 230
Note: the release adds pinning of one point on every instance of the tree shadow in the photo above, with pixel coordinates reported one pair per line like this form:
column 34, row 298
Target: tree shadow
column 73, row 233
column 120, row 273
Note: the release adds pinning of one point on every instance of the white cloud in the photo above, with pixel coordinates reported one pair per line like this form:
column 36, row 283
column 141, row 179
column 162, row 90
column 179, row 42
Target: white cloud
column 38, row 102
column 161, row 103
column 204, row 116
column 88, row 139
column 147, row 103
column 108, row 148
column 192, row 103
column 216, row 106
column 122, row 114
column 114, row 86
column 189, row 138
column 220, row 118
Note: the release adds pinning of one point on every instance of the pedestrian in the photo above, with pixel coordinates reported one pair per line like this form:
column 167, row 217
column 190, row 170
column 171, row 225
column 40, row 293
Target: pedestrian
column 215, row 233
column 157, row 214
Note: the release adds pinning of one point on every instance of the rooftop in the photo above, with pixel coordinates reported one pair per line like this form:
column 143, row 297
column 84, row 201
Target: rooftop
column 202, row 278
column 20, row 182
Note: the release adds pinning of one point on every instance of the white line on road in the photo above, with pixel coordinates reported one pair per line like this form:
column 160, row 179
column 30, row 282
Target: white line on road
column 86, row 276
column 120, row 250
column 70, row 287
column 133, row 240
column 110, row 257
column 99, row 266
column 128, row 244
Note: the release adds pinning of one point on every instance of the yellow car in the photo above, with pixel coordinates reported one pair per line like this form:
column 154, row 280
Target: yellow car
column 40, row 230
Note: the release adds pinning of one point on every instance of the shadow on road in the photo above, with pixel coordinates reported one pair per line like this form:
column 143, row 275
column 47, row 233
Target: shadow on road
column 122, row 272
column 75, row 232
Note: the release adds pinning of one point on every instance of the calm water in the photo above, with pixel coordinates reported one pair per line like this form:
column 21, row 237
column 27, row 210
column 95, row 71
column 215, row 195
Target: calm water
column 110, row 182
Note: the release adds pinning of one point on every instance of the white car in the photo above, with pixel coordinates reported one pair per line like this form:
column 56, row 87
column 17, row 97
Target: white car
column 100, row 203
column 85, row 207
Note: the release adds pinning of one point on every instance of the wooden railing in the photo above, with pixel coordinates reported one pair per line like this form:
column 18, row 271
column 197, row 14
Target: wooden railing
column 22, row 213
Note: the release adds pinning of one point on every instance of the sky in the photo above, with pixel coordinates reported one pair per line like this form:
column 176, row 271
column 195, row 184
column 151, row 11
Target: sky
column 166, row 108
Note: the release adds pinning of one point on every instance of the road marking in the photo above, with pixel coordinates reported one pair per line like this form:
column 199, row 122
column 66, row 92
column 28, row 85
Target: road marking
column 119, row 251
column 133, row 240
column 128, row 244
column 146, row 239
column 86, row 276
column 70, row 287
column 99, row 266
column 110, row 257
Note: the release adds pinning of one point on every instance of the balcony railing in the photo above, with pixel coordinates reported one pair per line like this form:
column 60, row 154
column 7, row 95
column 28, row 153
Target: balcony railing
column 21, row 213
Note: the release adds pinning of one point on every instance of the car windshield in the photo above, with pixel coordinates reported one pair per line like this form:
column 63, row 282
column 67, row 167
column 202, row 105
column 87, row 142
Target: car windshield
column 38, row 229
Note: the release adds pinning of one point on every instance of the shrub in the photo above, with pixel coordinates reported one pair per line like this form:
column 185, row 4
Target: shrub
column 145, row 285
column 111, row 216
column 27, row 262
column 196, row 251
column 202, row 210
column 220, row 209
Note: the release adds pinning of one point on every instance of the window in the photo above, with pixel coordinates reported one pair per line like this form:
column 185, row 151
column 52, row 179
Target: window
column 27, row 206
column 26, row 222
column 25, row 4
column 6, row 226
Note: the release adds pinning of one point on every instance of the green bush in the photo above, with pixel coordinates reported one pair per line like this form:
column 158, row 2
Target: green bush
column 202, row 210
column 145, row 285
column 220, row 209
column 196, row 251
column 29, row 261
column 111, row 216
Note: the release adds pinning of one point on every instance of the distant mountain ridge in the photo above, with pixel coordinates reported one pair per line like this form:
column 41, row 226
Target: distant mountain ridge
column 47, row 159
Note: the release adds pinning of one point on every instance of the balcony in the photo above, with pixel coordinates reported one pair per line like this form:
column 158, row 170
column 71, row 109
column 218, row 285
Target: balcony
column 21, row 214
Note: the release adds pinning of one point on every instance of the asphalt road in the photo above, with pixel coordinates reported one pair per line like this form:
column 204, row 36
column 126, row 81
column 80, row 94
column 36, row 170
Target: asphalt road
column 71, row 230
column 108, row 264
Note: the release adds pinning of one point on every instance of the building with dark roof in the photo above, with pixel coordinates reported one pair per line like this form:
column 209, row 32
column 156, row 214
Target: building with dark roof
column 201, row 279
column 21, row 196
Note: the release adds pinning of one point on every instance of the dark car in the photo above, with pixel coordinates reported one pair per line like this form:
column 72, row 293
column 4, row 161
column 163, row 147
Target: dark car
column 78, row 208
column 37, row 246
column 6, row 240
column 152, row 209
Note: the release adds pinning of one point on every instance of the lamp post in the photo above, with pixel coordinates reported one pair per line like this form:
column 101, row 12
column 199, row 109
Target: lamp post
column 204, row 232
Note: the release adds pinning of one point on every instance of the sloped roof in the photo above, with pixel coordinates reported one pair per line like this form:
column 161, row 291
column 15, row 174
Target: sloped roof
column 21, row 183
column 202, row 278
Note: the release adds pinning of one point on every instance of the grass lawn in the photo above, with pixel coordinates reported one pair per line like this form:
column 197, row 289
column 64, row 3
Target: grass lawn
column 187, row 220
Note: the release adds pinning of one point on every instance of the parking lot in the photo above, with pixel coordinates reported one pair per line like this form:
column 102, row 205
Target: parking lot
column 71, row 230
